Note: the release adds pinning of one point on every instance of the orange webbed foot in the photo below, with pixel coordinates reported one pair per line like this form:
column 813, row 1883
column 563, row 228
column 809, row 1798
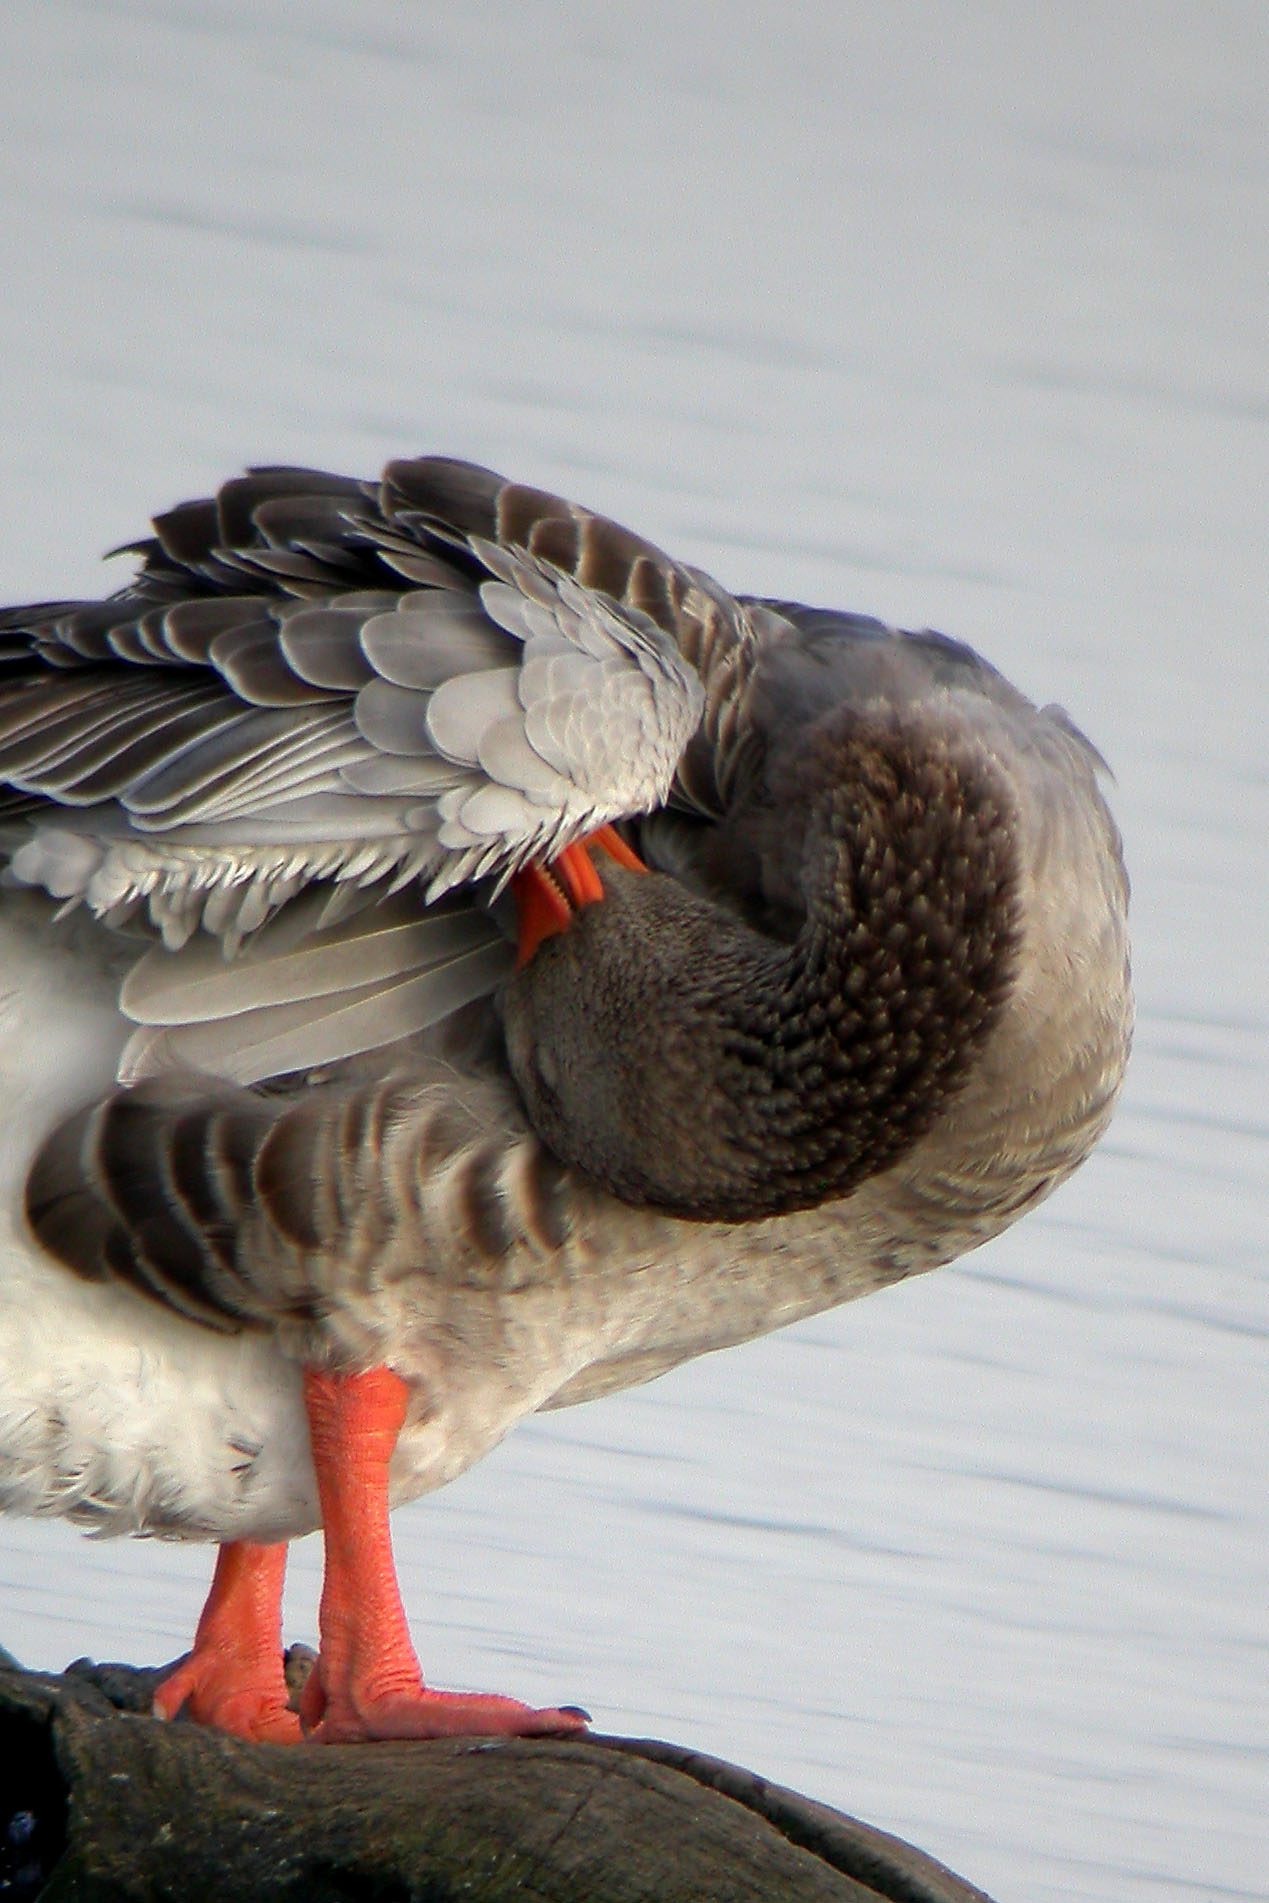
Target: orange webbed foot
column 356, row 1714
column 208, row 1688
column 234, row 1677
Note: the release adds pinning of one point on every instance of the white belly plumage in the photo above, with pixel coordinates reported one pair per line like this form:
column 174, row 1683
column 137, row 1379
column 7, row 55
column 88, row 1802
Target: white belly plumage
column 115, row 1412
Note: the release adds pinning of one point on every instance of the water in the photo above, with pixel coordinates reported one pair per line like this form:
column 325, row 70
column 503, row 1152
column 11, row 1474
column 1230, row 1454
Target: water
column 951, row 314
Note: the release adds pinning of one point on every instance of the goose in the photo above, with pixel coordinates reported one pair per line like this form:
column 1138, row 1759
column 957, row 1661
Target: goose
column 457, row 960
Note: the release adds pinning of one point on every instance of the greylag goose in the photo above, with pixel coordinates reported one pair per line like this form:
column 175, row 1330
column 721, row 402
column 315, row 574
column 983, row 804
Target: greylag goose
column 457, row 960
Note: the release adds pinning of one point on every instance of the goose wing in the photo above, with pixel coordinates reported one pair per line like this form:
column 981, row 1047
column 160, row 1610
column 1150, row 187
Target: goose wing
column 317, row 702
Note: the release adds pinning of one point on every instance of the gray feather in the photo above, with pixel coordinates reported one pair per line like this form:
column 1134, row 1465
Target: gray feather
column 190, row 627
column 253, row 662
column 323, row 645
column 293, row 958
column 423, row 647
column 277, row 1039
column 462, row 709
column 396, row 773
column 504, row 753
column 393, row 718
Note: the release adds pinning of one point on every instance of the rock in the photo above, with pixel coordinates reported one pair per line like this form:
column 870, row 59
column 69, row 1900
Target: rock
column 104, row 1804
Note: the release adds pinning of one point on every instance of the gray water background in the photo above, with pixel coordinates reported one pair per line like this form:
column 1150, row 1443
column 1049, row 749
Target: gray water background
column 951, row 313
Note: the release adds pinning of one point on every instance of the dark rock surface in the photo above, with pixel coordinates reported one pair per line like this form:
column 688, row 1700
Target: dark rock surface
column 100, row 1802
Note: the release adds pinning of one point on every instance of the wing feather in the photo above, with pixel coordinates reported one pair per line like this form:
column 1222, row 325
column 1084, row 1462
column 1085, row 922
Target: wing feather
column 450, row 634
column 276, row 1039
column 316, row 689
column 294, row 957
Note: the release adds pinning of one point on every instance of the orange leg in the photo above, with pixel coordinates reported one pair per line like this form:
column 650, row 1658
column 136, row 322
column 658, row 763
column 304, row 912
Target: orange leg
column 366, row 1682
column 233, row 1677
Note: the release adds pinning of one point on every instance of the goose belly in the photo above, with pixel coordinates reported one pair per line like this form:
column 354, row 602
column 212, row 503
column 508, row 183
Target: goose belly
column 113, row 1411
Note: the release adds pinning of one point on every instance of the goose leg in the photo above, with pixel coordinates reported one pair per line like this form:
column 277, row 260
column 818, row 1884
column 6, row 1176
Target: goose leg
column 233, row 1678
column 366, row 1682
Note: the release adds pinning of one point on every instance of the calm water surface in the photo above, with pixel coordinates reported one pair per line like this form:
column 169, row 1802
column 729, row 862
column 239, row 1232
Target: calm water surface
column 953, row 314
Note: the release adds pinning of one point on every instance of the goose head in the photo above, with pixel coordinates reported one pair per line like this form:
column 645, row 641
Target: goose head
column 766, row 1045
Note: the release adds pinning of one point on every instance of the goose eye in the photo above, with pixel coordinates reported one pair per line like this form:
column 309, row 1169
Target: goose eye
column 546, row 1073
